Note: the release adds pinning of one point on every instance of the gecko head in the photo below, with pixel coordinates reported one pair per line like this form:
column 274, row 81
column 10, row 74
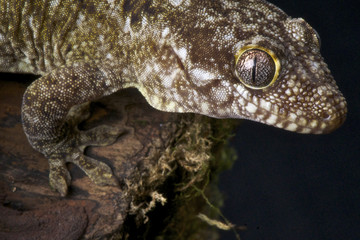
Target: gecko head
column 287, row 83
column 244, row 59
column 267, row 69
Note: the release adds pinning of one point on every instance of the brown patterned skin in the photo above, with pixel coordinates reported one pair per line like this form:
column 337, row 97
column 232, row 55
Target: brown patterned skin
column 183, row 55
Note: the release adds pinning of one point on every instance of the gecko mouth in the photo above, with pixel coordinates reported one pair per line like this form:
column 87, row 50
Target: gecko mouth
column 313, row 122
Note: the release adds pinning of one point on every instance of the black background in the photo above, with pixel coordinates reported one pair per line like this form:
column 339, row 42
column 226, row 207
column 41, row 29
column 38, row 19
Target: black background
column 291, row 186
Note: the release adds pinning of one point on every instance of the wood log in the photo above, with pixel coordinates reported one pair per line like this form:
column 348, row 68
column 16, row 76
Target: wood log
column 157, row 159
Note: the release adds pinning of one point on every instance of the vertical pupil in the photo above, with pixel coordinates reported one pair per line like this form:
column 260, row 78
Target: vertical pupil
column 253, row 72
column 255, row 68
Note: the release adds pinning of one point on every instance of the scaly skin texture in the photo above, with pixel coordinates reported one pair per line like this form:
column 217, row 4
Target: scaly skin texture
column 183, row 55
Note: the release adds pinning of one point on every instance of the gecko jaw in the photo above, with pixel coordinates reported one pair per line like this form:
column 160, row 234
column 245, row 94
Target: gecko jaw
column 327, row 122
column 315, row 117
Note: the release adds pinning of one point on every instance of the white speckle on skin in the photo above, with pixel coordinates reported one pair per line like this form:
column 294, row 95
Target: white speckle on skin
column 165, row 32
column 288, row 92
column 80, row 19
column 295, row 90
column 302, row 121
column 175, row 3
column 127, row 27
column 292, row 99
column 242, row 91
column 229, row 37
column 107, row 82
column 313, row 123
column 205, row 107
column 305, row 130
column 2, row 38
column 242, row 101
column 220, row 94
column 315, row 65
column 55, row 4
column 292, row 127
column 202, row 74
column 251, row 108
column 182, row 53
column 31, row 19
column 292, row 117
column 171, row 107
column 272, row 119
column 177, row 97
column 265, row 105
column 168, row 80
column 321, row 90
column 291, row 83
column 156, row 67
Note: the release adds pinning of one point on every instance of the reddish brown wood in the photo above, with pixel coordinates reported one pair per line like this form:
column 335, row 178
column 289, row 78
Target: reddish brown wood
column 32, row 210
column 158, row 155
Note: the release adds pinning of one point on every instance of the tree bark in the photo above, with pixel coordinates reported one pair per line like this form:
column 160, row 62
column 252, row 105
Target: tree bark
column 157, row 159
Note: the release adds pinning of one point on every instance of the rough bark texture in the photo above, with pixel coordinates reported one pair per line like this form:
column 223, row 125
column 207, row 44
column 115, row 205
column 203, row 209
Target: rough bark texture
column 158, row 159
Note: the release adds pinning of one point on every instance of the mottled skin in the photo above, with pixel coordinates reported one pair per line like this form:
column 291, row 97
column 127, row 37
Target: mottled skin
column 182, row 56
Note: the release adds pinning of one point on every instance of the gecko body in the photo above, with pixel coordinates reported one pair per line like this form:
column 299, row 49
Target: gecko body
column 224, row 59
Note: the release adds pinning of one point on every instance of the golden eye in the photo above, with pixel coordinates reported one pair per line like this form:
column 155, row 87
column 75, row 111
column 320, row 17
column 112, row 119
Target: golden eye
column 256, row 67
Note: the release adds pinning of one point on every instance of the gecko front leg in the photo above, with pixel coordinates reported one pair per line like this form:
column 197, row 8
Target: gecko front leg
column 52, row 129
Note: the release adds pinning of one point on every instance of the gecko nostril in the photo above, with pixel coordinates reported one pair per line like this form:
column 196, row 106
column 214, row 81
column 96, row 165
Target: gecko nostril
column 326, row 116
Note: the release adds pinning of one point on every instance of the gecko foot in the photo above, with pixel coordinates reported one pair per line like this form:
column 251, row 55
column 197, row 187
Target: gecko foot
column 100, row 173
column 72, row 151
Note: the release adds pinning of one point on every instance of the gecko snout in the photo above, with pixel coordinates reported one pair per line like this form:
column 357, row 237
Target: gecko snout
column 334, row 117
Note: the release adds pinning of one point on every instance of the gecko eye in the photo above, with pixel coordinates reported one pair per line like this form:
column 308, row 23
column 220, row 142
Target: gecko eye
column 256, row 67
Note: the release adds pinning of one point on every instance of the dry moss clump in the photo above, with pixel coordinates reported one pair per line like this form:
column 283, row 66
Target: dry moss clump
column 170, row 194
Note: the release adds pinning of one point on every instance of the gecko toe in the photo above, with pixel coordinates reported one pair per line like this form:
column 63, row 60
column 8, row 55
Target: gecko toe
column 59, row 176
column 100, row 173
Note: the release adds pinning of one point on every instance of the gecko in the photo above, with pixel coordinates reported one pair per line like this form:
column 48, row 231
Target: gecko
column 244, row 59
